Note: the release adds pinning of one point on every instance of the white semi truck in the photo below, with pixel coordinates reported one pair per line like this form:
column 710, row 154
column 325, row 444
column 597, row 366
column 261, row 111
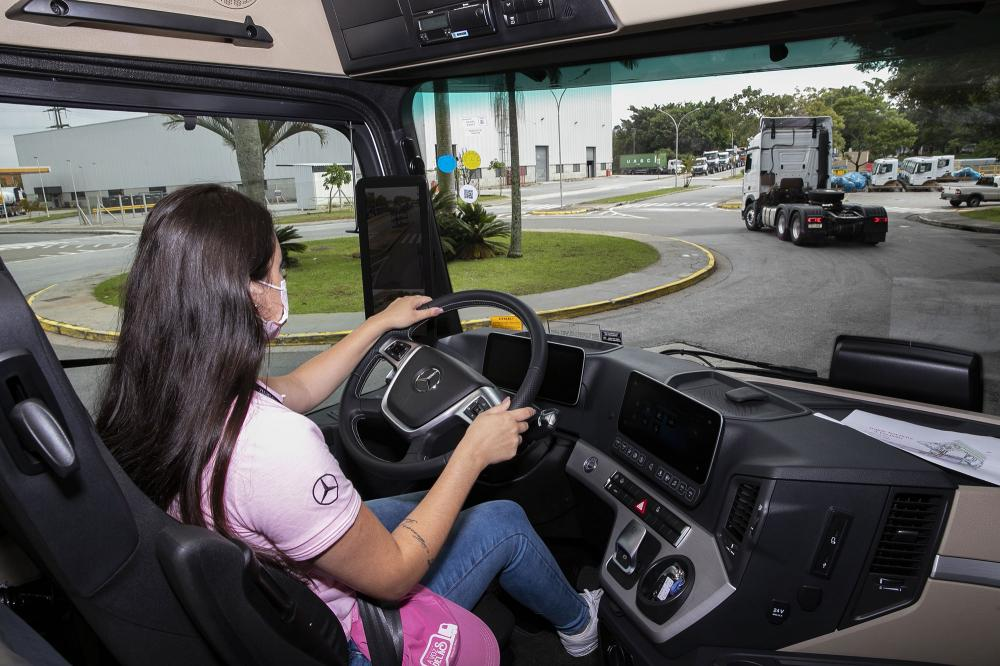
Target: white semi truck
column 926, row 172
column 785, row 186
column 885, row 175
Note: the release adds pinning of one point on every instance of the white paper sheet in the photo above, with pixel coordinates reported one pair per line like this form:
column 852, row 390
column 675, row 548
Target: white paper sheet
column 974, row 455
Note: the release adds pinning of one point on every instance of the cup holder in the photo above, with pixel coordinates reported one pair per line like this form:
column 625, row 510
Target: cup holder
column 664, row 586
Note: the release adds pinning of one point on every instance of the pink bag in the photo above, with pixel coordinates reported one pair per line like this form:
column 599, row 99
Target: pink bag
column 437, row 632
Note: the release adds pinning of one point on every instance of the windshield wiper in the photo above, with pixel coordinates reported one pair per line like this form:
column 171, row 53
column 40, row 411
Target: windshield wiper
column 757, row 367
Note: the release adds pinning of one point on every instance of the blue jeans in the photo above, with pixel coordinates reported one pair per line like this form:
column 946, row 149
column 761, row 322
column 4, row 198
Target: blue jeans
column 489, row 540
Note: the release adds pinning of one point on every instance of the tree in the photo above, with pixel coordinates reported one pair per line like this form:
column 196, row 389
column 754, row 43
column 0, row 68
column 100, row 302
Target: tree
column 334, row 176
column 288, row 242
column 246, row 142
column 251, row 140
column 442, row 131
column 514, row 250
column 870, row 123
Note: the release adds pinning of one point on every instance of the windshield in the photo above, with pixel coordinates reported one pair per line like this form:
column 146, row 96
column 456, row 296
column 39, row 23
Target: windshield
column 587, row 229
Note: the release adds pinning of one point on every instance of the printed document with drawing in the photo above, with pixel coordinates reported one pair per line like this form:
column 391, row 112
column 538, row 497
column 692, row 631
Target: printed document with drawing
column 974, row 455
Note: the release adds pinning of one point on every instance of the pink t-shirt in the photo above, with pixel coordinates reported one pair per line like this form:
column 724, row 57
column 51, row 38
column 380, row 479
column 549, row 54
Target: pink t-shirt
column 285, row 488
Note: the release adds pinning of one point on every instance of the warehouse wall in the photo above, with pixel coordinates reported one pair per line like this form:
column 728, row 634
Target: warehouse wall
column 137, row 154
column 585, row 120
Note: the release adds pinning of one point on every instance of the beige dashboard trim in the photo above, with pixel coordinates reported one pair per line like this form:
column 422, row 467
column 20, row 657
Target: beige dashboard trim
column 951, row 623
column 973, row 529
column 869, row 397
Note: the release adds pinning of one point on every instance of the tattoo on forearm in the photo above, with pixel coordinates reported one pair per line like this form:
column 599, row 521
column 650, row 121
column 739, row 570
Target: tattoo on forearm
column 407, row 525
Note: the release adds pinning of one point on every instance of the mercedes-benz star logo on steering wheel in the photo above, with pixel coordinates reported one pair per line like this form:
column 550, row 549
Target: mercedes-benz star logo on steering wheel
column 326, row 489
column 427, row 379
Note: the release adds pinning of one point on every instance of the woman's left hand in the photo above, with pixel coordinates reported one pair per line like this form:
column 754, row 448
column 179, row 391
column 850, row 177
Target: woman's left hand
column 403, row 312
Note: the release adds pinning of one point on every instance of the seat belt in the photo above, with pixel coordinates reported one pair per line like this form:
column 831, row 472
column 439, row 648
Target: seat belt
column 384, row 632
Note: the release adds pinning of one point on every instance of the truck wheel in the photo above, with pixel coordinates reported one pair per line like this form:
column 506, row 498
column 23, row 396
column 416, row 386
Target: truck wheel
column 974, row 201
column 781, row 225
column 797, row 231
column 955, row 203
column 750, row 217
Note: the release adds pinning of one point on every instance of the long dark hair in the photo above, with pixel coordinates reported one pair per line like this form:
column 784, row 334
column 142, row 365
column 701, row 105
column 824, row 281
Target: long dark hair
column 190, row 348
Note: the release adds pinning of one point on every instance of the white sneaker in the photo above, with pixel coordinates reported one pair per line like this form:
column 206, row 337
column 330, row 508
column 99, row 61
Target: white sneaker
column 585, row 642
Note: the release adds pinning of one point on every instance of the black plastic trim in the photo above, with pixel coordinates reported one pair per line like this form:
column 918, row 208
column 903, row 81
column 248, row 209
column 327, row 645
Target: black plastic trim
column 68, row 13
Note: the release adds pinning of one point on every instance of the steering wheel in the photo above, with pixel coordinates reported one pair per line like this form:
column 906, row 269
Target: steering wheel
column 431, row 392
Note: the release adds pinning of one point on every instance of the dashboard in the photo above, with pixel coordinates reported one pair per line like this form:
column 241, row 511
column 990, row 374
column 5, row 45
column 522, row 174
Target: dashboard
column 739, row 519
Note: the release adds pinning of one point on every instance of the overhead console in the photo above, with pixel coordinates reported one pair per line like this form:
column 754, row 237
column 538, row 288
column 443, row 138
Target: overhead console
column 384, row 34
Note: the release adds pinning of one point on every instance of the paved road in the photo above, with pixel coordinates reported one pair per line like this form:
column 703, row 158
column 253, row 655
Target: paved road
column 768, row 300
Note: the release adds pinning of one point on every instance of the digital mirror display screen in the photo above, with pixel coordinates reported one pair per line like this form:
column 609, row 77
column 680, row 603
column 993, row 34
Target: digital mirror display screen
column 680, row 431
column 506, row 364
column 392, row 223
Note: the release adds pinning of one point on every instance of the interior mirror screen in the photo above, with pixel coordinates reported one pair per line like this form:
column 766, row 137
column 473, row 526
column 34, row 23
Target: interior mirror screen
column 679, row 431
column 392, row 216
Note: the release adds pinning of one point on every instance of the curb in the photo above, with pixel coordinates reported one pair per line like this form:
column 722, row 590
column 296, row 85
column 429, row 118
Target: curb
column 959, row 225
column 574, row 211
column 730, row 205
column 331, row 337
column 116, row 231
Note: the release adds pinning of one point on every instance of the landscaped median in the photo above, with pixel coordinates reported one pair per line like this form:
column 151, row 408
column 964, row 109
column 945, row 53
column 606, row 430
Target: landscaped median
column 562, row 275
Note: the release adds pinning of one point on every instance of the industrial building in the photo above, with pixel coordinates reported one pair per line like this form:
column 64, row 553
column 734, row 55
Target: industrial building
column 146, row 157
column 583, row 120
column 143, row 155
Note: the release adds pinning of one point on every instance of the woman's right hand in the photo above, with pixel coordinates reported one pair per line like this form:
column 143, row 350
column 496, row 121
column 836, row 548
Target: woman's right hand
column 495, row 434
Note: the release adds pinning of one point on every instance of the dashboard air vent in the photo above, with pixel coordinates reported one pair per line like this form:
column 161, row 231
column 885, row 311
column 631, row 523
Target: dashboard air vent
column 910, row 529
column 742, row 509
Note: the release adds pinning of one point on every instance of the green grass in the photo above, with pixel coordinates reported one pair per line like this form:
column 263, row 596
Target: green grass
column 335, row 214
column 640, row 196
column 991, row 214
column 328, row 277
column 485, row 198
column 36, row 217
column 109, row 291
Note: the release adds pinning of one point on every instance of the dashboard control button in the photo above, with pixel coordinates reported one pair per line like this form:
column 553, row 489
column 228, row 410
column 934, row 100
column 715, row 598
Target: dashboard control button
column 674, row 482
column 640, row 506
column 831, row 539
column 690, row 494
column 809, row 597
column 778, row 611
column 682, row 488
column 590, row 464
column 660, row 473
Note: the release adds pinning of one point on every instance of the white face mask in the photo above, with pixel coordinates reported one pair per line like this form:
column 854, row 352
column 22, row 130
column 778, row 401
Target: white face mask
column 272, row 328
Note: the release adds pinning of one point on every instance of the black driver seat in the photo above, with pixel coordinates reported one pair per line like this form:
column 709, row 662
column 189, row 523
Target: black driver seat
column 154, row 591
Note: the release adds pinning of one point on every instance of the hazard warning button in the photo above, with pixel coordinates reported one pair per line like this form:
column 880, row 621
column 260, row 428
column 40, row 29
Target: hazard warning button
column 640, row 507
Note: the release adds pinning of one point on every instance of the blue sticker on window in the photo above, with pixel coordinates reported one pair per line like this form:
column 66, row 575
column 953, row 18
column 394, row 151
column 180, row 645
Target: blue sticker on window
column 446, row 163
column 459, row 34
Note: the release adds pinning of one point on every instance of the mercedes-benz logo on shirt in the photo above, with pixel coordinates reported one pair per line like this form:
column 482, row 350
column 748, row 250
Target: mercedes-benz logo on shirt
column 427, row 379
column 326, row 489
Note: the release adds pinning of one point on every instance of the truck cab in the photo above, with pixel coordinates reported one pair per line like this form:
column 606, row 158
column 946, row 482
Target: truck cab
column 885, row 173
column 925, row 171
column 784, row 186
column 712, row 160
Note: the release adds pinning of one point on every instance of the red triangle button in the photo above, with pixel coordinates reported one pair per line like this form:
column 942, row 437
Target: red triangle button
column 641, row 507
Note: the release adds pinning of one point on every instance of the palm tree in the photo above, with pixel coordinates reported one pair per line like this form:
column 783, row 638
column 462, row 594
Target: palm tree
column 514, row 250
column 251, row 140
column 442, row 131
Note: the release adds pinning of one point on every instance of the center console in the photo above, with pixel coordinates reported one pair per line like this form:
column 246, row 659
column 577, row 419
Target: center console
column 663, row 568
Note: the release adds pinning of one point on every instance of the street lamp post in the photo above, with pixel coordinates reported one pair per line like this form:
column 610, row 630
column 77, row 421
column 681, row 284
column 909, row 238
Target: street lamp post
column 76, row 193
column 677, row 136
column 44, row 198
column 559, row 133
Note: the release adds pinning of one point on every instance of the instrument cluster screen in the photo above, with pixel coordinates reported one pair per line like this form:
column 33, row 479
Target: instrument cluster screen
column 506, row 364
column 681, row 432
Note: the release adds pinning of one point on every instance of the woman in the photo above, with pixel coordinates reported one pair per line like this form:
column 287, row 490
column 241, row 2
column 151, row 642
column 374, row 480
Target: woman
column 187, row 417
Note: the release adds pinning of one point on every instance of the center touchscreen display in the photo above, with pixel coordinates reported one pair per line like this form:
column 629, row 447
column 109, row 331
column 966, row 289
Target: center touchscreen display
column 679, row 431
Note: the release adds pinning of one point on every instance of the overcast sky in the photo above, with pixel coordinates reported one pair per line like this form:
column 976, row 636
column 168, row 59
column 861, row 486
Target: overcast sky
column 15, row 119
